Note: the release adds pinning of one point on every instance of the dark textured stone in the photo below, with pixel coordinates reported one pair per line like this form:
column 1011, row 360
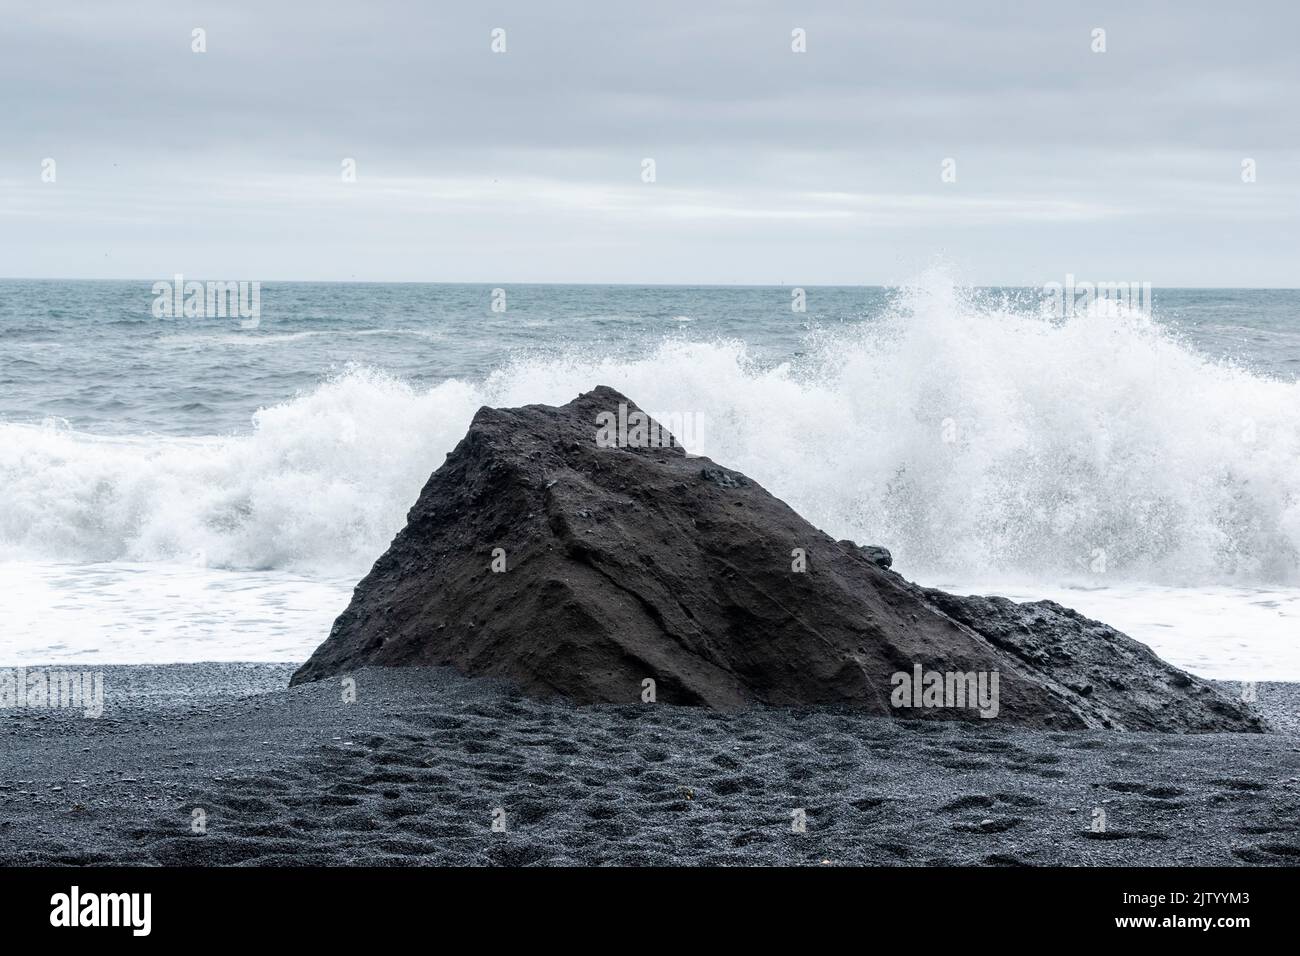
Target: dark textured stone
column 874, row 553
column 630, row 563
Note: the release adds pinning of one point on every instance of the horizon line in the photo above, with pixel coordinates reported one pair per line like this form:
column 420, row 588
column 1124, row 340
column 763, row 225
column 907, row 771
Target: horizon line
column 639, row 285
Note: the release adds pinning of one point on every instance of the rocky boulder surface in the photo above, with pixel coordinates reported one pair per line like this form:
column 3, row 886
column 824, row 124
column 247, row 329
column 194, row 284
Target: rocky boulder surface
column 541, row 554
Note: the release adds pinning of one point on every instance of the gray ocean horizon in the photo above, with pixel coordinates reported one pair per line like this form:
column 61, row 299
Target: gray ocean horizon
column 91, row 352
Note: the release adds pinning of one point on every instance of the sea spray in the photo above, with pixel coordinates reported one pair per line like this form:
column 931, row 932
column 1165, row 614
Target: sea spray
column 970, row 436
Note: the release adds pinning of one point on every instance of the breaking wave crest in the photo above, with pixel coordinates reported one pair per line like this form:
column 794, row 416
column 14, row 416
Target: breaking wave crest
column 971, row 437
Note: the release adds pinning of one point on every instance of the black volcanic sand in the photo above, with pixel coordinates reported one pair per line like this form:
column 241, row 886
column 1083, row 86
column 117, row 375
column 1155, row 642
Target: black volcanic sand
column 411, row 773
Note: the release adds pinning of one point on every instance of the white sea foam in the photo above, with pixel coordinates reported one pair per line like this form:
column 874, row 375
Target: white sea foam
column 122, row 613
column 322, row 482
column 972, row 439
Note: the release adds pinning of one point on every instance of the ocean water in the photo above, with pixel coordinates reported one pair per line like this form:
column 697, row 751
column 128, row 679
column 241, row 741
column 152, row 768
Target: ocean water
column 190, row 489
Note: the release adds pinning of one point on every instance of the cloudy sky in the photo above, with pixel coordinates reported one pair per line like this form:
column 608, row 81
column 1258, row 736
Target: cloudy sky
column 770, row 166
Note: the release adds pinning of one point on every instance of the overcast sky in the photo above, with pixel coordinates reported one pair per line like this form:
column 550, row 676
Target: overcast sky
column 771, row 166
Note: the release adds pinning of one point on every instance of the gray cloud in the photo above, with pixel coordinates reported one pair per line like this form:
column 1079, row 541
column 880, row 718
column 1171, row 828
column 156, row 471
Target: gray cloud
column 772, row 166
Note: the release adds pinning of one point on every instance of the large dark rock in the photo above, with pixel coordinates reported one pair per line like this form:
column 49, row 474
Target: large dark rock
column 630, row 563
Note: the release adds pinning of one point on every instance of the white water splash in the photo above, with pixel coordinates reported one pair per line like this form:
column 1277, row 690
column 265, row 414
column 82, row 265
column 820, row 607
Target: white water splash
column 972, row 439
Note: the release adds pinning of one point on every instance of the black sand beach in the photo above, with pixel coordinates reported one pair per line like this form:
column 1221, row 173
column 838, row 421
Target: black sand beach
column 412, row 772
